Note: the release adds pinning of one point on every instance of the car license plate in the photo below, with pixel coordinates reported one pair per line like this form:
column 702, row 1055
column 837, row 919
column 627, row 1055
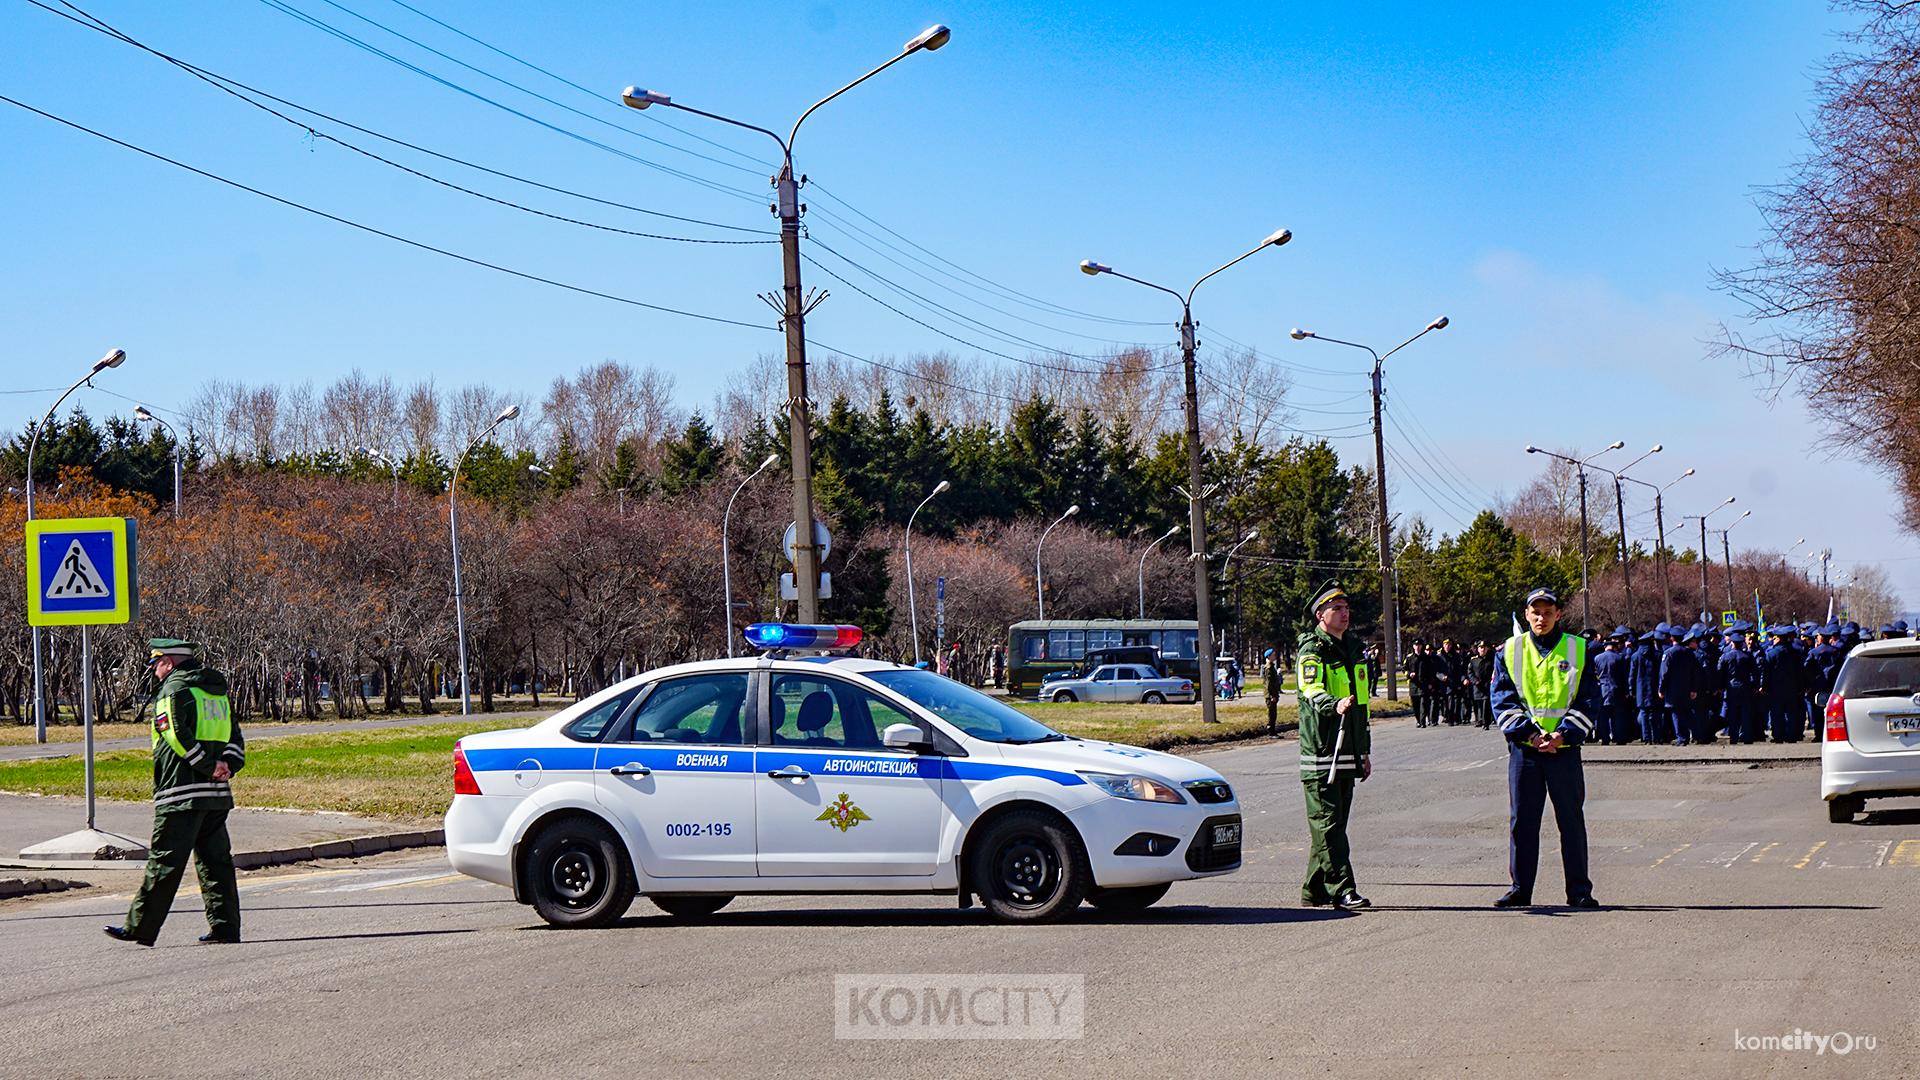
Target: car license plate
column 1903, row 725
column 1226, row 835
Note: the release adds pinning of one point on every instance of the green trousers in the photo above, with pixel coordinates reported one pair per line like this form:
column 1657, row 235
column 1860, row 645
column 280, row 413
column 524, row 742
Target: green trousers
column 180, row 832
column 1329, row 861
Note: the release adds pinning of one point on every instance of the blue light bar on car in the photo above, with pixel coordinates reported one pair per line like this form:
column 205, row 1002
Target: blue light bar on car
column 768, row 635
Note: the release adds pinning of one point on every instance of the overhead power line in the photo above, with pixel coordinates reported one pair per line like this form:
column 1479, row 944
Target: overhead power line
column 470, row 260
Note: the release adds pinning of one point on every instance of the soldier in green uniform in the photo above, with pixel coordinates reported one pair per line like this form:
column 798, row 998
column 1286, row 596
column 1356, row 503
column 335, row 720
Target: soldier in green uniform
column 1335, row 745
column 196, row 749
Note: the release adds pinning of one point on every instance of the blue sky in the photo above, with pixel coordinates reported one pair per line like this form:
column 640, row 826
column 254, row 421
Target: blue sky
column 1560, row 180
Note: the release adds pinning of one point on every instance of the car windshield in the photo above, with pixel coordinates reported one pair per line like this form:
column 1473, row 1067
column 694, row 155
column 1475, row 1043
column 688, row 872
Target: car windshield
column 964, row 707
column 1887, row 675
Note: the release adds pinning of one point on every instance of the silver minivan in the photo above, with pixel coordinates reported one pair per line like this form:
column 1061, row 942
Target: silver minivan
column 1872, row 747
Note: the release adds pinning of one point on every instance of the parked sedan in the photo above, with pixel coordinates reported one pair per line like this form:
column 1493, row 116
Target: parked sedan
column 1122, row 683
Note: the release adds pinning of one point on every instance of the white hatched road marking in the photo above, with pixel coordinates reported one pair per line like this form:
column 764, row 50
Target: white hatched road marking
column 362, row 886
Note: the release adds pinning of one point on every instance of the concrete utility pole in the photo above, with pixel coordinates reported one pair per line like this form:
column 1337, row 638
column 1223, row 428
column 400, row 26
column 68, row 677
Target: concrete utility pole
column 1196, row 514
column 793, row 306
column 1620, row 509
column 1389, row 607
column 1702, row 519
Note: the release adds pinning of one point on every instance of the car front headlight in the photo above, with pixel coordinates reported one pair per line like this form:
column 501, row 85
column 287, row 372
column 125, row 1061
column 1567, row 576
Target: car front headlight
column 1140, row 788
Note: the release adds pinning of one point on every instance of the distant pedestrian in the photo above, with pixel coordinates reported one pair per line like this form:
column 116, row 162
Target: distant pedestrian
column 196, row 750
column 1270, row 683
column 1480, row 670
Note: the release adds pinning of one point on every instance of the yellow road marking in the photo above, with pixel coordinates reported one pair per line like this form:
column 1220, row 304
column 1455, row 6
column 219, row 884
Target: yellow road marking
column 1815, row 850
column 1907, row 854
column 1763, row 851
column 1671, row 854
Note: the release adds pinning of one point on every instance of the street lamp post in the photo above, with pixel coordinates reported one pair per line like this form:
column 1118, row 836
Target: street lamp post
column 793, row 309
column 1620, row 509
column 1660, row 528
column 1039, row 588
column 913, row 612
column 392, row 466
column 726, row 566
column 113, row 359
column 1726, row 553
column 1142, row 576
column 1196, row 516
column 1702, row 519
column 453, row 526
column 1580, row 470
column 1389, row 630
column 1226, row 569
column 141, row 412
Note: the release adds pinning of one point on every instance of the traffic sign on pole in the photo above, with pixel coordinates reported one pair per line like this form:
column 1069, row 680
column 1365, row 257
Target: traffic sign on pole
column 82, row 572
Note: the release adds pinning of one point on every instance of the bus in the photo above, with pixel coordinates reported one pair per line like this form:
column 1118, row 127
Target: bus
column 1037, row 647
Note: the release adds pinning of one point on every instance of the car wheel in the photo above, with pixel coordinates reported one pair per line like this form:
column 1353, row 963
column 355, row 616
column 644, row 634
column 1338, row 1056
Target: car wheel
column 1155, row 697
column 689, row 905
column 1029, row 867
column 1064, row 696
column 1128, row 900
column 1841, row 811
column 578, row 875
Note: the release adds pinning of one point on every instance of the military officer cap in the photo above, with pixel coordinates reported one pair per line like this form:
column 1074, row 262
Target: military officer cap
column 1624, row 633
column 1692, row 634
column 1830, row 630
column 1886, row 629
column 1543, row 595
column 1324, row 595
column 166, row 646
column 1900, row 625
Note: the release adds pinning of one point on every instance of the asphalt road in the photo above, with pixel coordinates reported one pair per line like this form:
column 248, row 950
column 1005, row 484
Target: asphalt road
column 1734, row 909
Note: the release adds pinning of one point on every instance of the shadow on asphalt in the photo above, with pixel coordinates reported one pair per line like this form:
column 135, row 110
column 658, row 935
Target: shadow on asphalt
column 1904, row 816
column 1562, row 909
column 187, row 913
column 898, row 918
column 358, row 937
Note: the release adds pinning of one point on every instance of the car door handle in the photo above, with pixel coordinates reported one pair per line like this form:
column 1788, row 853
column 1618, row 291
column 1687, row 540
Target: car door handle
column 790, row 772
column 631, row 768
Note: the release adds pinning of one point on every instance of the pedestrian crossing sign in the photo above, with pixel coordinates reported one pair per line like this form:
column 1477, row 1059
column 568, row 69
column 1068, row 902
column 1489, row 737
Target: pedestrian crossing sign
column 81, row 572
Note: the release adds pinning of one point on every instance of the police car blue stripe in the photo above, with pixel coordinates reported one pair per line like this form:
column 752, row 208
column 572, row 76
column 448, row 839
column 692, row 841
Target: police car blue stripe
column 698, row 759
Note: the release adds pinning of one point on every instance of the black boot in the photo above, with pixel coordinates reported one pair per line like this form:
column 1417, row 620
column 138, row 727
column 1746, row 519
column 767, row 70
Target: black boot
column 1514, row 898
column 120, row 933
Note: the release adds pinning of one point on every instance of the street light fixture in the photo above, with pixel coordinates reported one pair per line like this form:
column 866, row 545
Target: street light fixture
column 1580, row 470
column 1039, row 588
column 1226, row 568
column 1726, row 553
column 913, row 612
column 453, row 526
column 1660, row 527
column 1196, row 516
column 1389, row 629
column 1142, row 576
column 1620, row 508
column 112, row 360
column 793, row 309
column 392, row 464
column 144, row 414
column 726, row 565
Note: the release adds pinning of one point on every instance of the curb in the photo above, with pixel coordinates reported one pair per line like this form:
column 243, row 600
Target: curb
column 14, row 887
column 351, row 848
column 1749, row 762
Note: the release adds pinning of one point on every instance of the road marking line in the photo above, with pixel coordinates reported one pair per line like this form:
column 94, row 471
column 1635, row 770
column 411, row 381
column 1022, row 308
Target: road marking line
column 1811, row 852
column 1906, row 854
column 1670, row 854
column 1763, row 851
column 1881, row 860
column 362, row 886
column 1731, row 859
column 443, row 879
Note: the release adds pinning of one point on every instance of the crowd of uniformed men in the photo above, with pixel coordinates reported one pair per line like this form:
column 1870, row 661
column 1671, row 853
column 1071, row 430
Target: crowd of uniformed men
column 1673, row 684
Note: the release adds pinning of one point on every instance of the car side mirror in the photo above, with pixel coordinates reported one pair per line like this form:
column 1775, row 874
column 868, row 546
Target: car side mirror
column 905, row 737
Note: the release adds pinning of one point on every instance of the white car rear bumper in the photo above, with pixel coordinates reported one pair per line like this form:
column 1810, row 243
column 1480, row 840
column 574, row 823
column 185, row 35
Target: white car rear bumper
column 1846, row 772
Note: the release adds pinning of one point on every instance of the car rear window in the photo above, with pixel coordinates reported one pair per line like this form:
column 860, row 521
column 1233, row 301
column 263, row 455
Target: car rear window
column 1884, row 675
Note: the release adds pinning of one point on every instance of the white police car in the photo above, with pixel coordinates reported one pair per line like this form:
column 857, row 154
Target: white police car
column 787, row 773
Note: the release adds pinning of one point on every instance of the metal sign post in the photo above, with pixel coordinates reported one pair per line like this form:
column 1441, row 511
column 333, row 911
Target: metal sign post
column 83, row 572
